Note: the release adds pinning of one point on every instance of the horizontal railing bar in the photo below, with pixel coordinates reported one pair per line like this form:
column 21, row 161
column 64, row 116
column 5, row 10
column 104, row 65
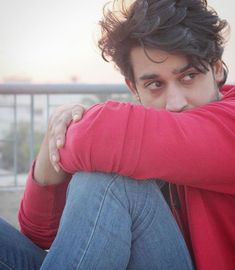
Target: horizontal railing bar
column 6, row 106
column 12, row 188
column 31, row 89
column 76, row 88
column 6, row 140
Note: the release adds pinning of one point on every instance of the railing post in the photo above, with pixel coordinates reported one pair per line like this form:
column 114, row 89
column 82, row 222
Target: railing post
column 48, row 109
column 15, row 153
column 32, row 141
column 49, row 90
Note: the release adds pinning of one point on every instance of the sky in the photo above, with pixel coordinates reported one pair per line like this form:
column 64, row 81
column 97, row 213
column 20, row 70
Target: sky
column 54, row 41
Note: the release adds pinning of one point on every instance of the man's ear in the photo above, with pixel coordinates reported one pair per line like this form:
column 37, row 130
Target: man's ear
column 218, row 71
column 132, row 87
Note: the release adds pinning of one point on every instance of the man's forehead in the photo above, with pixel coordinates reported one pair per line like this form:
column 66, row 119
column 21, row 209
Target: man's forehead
column 142, row 59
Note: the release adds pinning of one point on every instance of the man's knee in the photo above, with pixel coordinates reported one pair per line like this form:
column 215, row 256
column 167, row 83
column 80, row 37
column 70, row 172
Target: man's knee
column 87, row 183
column 90, row 179
column 126, row 190
column 97, row 180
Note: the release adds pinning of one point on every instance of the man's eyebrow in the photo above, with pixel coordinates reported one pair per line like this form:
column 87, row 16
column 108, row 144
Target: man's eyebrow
column 149, row 76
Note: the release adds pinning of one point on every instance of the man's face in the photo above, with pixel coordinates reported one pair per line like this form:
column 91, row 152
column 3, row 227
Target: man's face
column 172, row 85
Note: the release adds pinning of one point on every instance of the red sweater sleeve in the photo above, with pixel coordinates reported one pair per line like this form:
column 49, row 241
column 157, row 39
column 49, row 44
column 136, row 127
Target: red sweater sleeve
column 40, row 211
column 195, row 147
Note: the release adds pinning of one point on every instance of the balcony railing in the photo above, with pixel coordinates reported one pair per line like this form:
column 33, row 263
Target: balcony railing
column 24, row 114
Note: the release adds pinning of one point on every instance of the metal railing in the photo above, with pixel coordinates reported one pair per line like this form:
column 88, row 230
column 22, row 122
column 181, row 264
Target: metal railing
column 15, row 97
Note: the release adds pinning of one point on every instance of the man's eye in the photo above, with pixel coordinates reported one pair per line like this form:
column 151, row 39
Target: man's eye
column 154, row 85
column 189, row 77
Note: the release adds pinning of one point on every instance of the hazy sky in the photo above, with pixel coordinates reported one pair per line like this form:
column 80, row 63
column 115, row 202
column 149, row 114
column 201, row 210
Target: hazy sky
column 54, row 40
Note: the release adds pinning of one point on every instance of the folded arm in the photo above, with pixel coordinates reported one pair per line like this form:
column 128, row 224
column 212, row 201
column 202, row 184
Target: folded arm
column 195, row 147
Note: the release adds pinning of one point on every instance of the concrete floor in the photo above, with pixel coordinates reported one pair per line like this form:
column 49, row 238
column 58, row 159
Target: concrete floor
column 9, row 205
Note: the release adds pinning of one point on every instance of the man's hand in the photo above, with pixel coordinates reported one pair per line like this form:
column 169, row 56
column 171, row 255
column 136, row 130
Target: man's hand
column 58, row 124
column 47, row 170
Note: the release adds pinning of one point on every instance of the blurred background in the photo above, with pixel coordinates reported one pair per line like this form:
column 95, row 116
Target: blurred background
column 51, row 41
column 48, row 56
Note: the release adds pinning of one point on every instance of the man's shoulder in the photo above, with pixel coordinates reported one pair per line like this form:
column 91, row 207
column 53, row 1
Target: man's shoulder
column 228, row 90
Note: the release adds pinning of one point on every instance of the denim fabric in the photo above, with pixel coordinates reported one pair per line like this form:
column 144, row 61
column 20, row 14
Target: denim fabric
column 16, row 251
column 111, row 222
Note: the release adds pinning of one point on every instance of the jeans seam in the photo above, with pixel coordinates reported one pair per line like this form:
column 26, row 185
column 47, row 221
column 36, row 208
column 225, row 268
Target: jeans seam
column 96, row 221
column 8, row 267
column 116, row 197
column 143, row 209
column 129, row 203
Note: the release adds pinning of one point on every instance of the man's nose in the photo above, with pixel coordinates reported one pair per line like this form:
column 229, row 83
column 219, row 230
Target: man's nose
column 176, row 100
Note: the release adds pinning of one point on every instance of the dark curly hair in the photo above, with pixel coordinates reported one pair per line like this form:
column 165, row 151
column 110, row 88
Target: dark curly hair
column 186, row 27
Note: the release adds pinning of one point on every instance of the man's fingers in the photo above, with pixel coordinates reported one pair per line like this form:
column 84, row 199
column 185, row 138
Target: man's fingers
column 59, row 143
column 77, row 113
column 54, row 161
column 59, row 134
column 58, row 124
column 76, row 117
column 54, row 155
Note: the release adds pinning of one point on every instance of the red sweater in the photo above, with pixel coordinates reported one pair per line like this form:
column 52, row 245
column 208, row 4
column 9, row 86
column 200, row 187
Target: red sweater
column 193, row 150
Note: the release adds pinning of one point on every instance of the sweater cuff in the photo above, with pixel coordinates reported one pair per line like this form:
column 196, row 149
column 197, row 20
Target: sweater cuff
column 43, row 200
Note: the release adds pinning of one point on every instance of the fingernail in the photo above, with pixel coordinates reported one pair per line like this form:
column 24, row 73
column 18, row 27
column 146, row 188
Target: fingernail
column 57, row 168
column 53, row 157
column 58, row 143
column 76, row 117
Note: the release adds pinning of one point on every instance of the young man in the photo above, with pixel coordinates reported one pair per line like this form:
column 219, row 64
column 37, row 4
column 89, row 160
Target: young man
column 170, row 53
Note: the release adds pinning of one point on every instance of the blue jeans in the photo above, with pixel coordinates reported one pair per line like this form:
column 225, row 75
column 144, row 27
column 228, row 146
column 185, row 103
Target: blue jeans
column 16, row 251
column 111, row 222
